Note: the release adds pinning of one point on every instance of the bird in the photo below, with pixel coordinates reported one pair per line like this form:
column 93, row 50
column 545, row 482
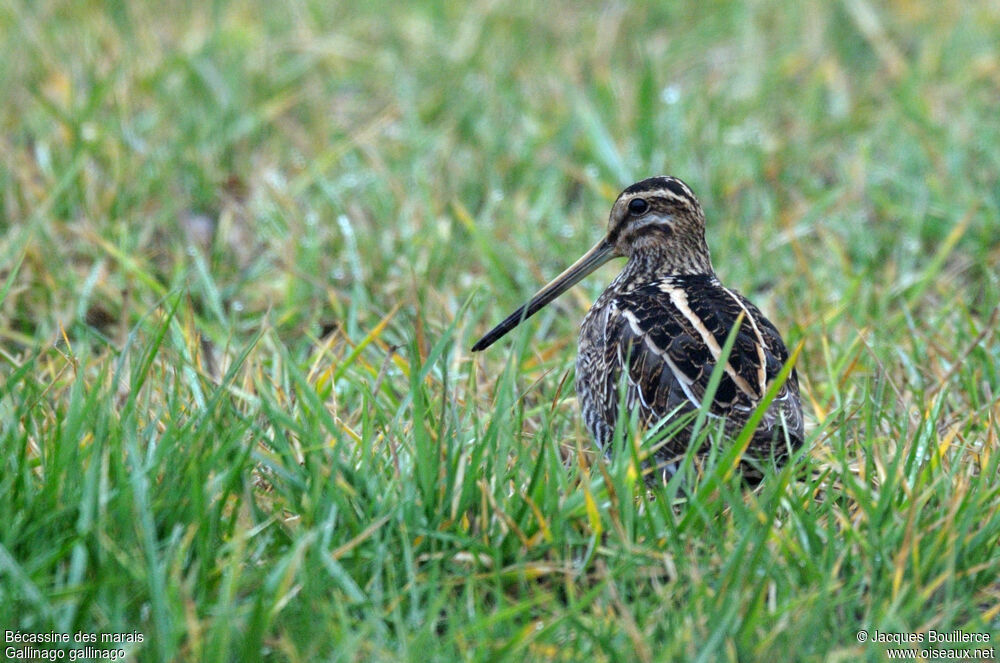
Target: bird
column 659, row 328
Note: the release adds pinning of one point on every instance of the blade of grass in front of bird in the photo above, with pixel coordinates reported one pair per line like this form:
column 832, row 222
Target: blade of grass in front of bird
column 730, row 460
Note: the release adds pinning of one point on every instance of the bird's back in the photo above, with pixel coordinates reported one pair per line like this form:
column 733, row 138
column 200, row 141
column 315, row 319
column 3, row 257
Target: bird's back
column 659, row 338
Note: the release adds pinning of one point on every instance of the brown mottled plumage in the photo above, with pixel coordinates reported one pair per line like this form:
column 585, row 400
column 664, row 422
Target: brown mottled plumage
column 662, row 322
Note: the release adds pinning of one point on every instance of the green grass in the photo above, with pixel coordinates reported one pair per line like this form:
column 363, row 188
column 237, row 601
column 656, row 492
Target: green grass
column 246, row 249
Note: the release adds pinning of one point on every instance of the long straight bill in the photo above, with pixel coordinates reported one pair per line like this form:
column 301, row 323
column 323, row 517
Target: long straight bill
column 602, row 252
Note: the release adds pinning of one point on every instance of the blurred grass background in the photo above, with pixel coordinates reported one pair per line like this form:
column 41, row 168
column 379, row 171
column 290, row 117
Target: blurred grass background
column 246, row 247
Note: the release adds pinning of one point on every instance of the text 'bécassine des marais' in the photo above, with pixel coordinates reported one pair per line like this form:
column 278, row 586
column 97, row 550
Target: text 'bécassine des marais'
column 54, row 637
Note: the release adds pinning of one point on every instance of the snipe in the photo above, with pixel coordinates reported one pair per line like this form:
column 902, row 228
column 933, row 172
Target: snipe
column 663, row 323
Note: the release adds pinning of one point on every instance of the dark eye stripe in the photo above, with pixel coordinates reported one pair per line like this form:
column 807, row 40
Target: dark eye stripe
column 661, row 228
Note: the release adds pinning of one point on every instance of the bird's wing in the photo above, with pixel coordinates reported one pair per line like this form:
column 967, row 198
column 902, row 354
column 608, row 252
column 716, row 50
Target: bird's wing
column 786, row 408
column 674, row 332
column 669, row 336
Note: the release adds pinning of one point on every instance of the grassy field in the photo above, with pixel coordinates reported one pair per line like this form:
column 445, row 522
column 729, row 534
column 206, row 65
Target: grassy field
column 246, row 247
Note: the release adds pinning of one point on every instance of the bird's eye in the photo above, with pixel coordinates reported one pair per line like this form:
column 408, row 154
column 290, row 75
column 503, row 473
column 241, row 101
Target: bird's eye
column 638, row 206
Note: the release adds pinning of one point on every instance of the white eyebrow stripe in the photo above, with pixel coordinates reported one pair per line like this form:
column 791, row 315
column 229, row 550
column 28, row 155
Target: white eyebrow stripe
column 667, row 193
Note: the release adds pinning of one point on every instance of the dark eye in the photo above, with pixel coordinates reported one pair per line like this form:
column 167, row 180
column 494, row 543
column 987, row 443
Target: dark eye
column 638, row 206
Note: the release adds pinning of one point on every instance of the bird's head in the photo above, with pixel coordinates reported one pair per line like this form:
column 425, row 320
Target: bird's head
column 661, row 221
column 656, row 223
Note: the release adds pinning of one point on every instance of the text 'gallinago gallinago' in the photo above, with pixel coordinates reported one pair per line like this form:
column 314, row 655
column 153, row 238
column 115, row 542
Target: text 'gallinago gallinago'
column 663, row 322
